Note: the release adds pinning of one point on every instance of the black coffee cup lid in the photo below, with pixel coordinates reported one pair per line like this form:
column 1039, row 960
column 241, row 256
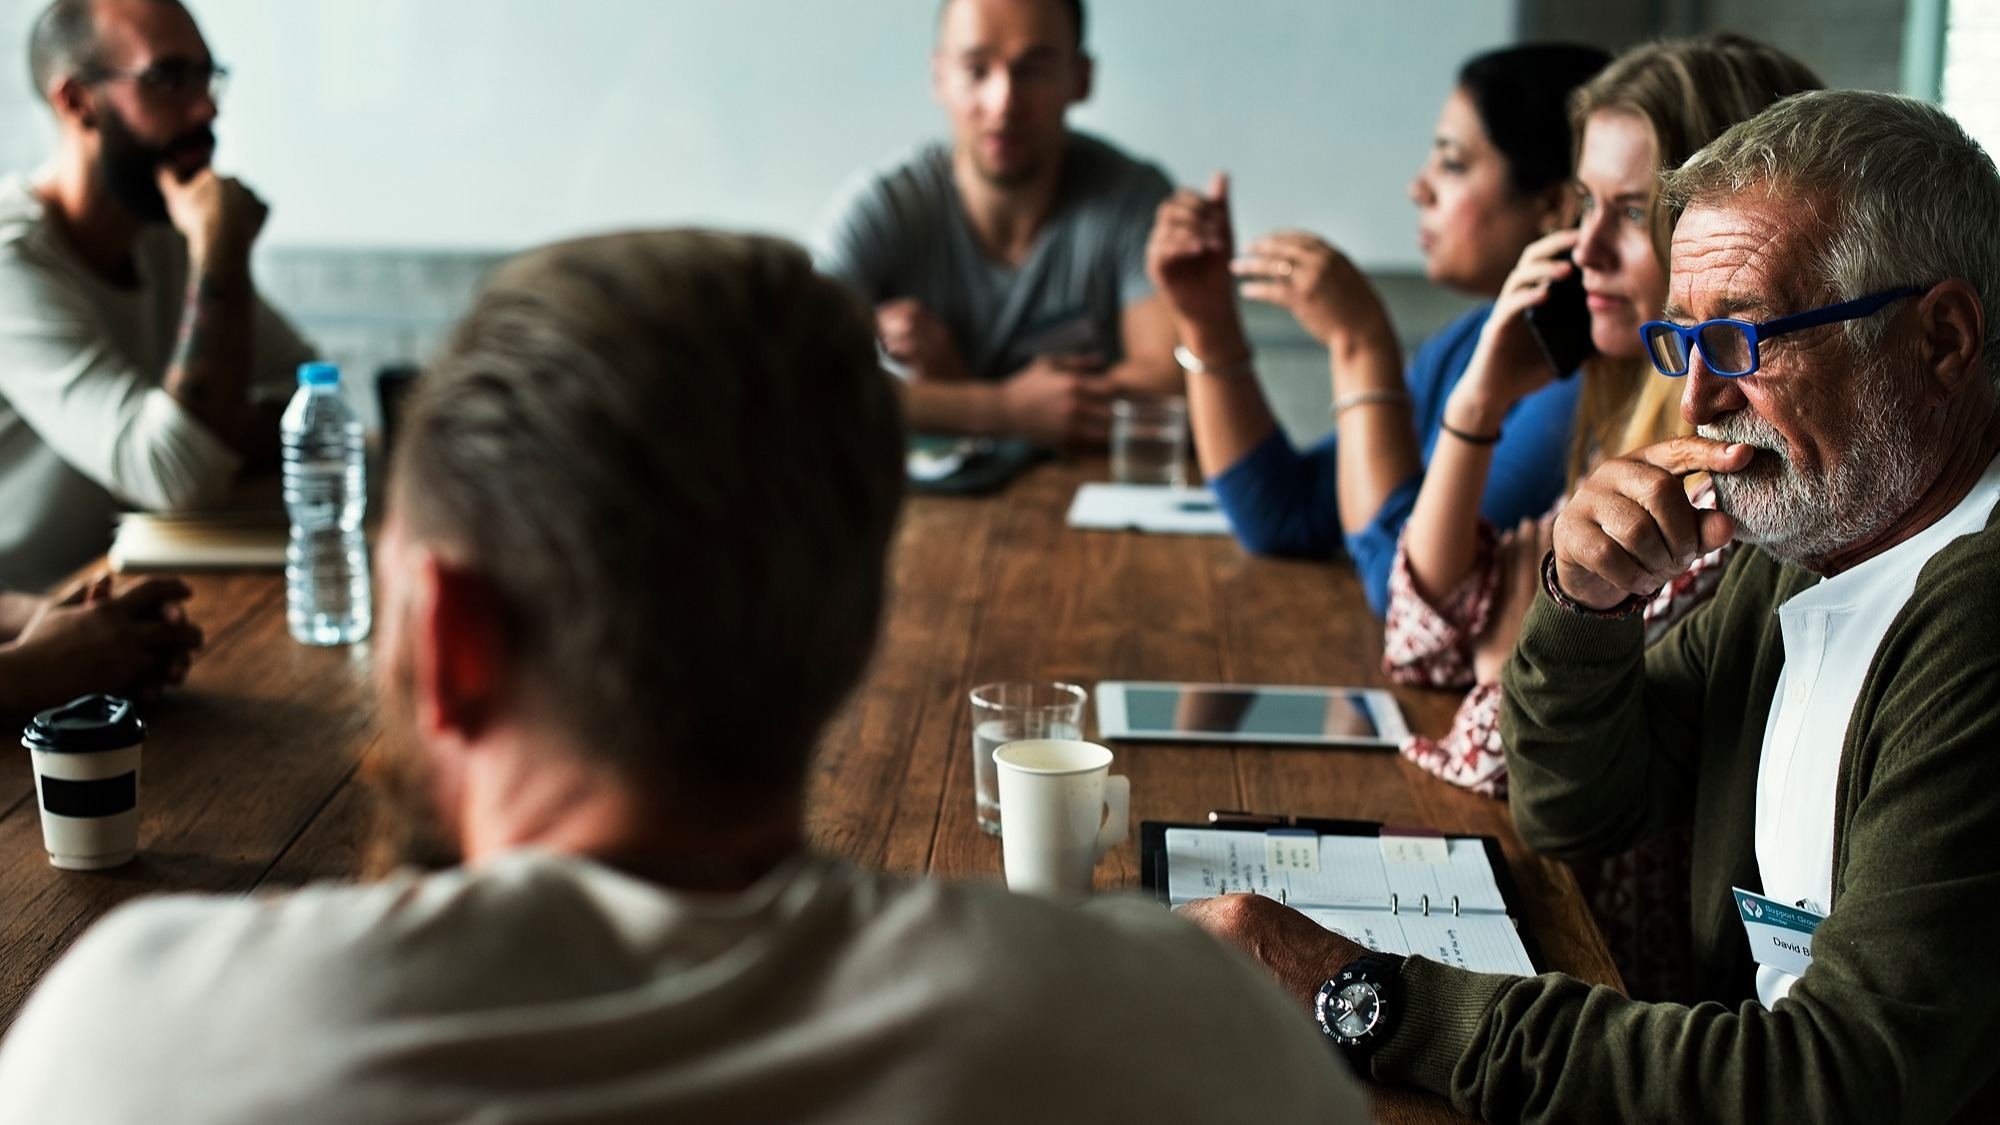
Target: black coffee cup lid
column 94, row 722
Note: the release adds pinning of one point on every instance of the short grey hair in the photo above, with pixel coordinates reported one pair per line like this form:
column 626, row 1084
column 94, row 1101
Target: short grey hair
column 1903, row 195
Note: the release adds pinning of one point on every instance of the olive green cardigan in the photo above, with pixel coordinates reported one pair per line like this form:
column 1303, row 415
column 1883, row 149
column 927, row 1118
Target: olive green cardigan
column 1897, row 1019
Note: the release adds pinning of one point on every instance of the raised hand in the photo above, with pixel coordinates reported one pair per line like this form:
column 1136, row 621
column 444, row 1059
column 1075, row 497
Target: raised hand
column 1314, row 282
column 1630, row 528
column 1188, row 258
column 1507, row 366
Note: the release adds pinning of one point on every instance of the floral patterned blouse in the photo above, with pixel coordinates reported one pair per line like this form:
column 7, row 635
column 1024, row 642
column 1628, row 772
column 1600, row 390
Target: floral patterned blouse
column 1431, row 646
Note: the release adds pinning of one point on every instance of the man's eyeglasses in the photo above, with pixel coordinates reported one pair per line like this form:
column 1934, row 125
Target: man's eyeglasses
column 176, row 80
column 1730, row 346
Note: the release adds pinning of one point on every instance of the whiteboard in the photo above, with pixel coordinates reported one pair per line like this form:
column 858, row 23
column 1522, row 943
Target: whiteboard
column 494, row 124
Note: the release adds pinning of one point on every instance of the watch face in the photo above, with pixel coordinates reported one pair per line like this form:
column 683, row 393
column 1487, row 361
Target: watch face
column 1349, row 1010
column 1354, row 1010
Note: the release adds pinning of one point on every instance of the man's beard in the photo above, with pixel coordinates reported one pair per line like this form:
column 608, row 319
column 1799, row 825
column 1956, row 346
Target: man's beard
column 1805, row 519
column 406, row 830
column 130, row 167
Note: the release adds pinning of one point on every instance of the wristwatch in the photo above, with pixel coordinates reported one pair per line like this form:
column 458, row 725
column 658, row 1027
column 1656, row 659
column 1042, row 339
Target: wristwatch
column 1357, row 1008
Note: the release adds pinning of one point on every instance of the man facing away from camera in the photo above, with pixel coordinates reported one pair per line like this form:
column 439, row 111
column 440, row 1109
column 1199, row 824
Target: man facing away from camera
column 633, row 560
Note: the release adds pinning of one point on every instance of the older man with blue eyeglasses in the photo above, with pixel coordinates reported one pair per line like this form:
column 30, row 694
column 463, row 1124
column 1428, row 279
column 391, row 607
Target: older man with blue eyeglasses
column 1829, row 722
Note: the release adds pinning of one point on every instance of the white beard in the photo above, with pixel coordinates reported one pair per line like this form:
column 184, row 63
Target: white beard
column 1803, row 518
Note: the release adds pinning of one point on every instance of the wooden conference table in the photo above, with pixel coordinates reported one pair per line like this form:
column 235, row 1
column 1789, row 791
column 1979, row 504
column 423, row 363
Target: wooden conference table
column 250, row 770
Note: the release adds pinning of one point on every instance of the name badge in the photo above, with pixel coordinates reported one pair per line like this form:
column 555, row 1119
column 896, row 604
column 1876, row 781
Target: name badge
column 1781, row 936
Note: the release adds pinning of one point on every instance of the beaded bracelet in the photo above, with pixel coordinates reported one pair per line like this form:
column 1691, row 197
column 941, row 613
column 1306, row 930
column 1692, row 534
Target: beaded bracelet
column 1352, row 399
column 1470, row 439
column 1631, row 606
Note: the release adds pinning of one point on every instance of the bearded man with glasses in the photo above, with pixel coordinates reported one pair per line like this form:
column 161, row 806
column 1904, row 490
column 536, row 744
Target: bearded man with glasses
column 138, row 367
column 1828, row 723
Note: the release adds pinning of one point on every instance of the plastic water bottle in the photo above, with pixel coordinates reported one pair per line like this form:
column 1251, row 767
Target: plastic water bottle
column 326, row 565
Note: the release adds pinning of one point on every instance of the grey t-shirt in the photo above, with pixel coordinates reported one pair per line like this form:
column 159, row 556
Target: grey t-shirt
column 903, row 232
column 540, row 988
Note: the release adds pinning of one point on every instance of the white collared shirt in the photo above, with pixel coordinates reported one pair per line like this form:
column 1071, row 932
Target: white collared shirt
column 1831, row 632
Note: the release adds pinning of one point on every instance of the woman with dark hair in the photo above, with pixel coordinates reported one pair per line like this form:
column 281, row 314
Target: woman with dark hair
column 1496, row 180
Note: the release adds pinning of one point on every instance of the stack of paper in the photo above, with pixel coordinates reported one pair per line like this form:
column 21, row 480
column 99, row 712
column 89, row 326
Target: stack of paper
column 1156, row 508
column 147, row 541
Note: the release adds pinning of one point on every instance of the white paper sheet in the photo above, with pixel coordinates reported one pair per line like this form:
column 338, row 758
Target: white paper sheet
column 1483, row 943
column 1155, row 508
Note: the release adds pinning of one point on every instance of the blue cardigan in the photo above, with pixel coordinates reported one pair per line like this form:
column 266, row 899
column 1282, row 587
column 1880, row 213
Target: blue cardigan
column 1284, row 502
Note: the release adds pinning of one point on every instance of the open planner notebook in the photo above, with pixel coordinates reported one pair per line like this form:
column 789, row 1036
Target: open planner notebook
column 1432, row 896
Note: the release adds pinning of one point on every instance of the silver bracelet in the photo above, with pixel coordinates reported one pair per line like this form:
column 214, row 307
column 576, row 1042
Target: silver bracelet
column 1242, row 369
column 1352, row 399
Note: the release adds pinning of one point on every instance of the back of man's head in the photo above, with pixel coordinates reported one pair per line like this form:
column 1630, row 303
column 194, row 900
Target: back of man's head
column 1895, row 191
column 676, row 461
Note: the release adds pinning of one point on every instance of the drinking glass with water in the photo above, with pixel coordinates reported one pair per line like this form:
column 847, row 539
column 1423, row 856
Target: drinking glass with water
column 1149, row 441
column 1011, row 712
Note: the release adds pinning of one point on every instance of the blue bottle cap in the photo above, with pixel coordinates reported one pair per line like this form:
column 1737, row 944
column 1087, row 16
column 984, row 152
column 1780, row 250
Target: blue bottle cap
column 319, row 374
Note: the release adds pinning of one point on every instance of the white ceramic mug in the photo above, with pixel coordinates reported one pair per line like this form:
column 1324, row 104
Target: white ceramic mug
column 1064, row 811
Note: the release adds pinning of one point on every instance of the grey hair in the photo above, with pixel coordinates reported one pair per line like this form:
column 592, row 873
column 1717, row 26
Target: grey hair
column 1902, row 195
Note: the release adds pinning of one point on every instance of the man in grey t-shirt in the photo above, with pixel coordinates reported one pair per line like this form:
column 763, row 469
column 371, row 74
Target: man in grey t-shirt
column 1008, row 266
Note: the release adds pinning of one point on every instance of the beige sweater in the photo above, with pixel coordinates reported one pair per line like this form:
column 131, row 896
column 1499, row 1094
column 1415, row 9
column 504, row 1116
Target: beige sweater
column 552, row 989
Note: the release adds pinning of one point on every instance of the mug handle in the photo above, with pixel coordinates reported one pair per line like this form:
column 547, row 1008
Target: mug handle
column 1117, row 825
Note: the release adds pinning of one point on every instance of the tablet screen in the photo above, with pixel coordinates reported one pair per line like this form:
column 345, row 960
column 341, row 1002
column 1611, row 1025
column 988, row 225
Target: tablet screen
column 1338, row 714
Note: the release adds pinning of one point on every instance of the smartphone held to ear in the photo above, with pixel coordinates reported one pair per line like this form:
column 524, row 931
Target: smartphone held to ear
column 1561, row 325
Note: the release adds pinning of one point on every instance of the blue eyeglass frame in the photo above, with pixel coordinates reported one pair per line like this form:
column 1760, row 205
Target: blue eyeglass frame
column 1755, row 333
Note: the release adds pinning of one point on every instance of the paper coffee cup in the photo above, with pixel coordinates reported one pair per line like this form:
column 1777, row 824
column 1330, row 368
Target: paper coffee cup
column 1064, row 809
column 86, row 762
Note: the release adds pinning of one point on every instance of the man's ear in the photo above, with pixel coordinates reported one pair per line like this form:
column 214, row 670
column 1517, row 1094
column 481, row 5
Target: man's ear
column 1086, row 75
column 460, row 661
column 71, row 99
column 1953, row 327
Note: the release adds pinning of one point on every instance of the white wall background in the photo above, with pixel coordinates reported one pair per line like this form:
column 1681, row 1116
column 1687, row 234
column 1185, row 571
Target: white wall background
column 1971, row 76
column 499, row 123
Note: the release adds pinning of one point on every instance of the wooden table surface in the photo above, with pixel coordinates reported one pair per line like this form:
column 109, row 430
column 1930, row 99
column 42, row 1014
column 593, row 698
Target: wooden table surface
column 250, row 770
